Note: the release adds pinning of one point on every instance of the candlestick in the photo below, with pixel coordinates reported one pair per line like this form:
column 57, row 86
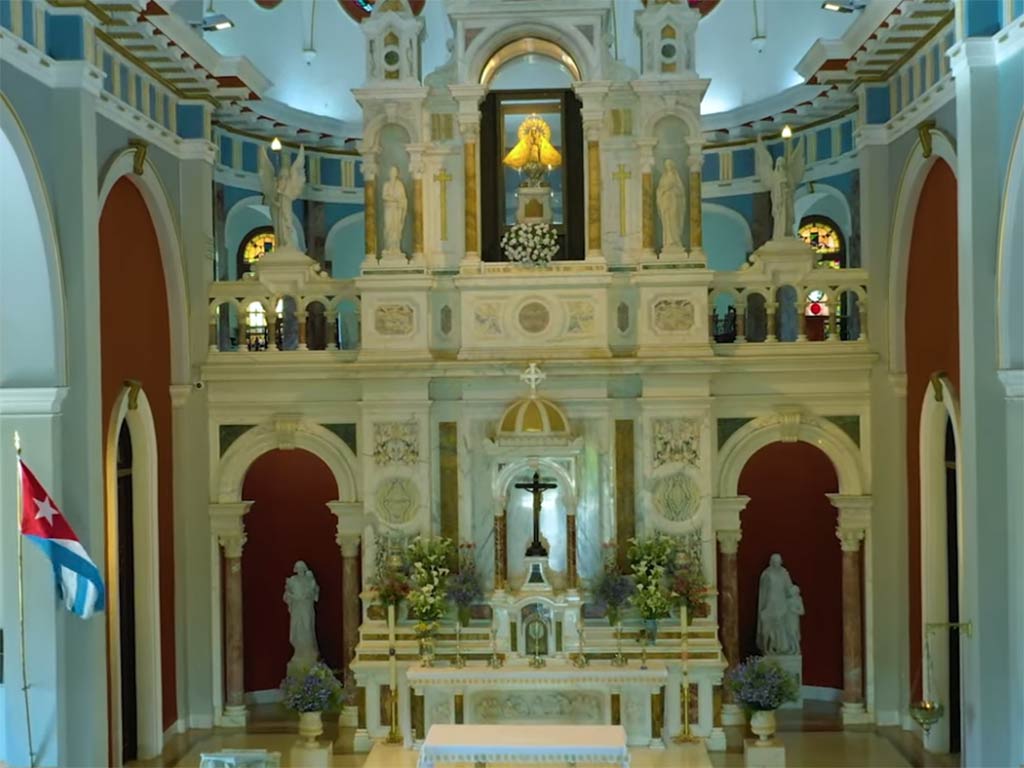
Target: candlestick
column 394, row 737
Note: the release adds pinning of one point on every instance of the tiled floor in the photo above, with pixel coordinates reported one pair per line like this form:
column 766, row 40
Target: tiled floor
column 813, row 738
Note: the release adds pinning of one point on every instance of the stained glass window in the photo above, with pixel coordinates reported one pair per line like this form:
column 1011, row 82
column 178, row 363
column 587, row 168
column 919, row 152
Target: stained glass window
column 824, row 237
column 256, row 245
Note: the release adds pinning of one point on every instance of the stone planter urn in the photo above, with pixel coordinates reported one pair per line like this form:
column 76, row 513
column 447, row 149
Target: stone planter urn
column 762, row 723
column 311, row 725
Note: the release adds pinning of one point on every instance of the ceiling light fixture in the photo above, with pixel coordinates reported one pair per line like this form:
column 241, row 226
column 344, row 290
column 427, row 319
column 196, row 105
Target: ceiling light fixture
column 787, row 132
column 843, row 6
column 215, row 22
column 276, row 144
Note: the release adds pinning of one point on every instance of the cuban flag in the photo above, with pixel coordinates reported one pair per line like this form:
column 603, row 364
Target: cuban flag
column 78, row 578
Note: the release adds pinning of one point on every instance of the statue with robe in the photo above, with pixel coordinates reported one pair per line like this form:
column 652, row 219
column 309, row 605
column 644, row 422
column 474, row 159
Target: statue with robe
column 781, row 178
column 301, row 592
column 279, row 192
column 774, row 609
column 671, row 196
column 395, row 207
column 795, row 605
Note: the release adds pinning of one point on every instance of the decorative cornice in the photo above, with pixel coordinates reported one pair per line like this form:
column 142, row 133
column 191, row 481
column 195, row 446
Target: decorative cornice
column 31, row 401
column 1013, row 382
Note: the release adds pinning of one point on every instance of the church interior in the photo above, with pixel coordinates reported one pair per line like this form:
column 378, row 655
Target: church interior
column 511, row 382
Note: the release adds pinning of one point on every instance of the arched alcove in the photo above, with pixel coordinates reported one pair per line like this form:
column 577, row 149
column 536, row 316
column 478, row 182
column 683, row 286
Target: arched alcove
column 289, row 520
column 790, row 514
column 931, row 323
column 671, row 134
column 1011, row 260
column 136, row 346
column 32, row 320
column 393, row 139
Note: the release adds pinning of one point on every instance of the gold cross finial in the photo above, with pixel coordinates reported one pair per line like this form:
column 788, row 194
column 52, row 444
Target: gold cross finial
column 533, row 376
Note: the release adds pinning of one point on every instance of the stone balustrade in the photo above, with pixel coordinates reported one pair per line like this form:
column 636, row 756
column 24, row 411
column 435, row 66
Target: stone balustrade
column 242, row 316
column 824, row 305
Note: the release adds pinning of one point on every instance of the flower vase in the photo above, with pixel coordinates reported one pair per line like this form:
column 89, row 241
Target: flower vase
column 618, row 660
column 643, row 648
column 459, row 661
column 427, row 651
column 464, row 616
column 762, row 723
column 311, row 725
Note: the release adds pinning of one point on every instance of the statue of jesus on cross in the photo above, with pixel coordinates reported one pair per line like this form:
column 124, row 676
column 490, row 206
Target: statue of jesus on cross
column 537, row 488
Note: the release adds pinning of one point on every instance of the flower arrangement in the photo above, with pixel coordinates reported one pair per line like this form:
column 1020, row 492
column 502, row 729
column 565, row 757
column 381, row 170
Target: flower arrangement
column 652, row 562
column 530, row 244
column 314, row 689
column 612, row 590
column 429, row 561
column 761, row 685
column 688, row 580
column 391, row 576
column 464, row 587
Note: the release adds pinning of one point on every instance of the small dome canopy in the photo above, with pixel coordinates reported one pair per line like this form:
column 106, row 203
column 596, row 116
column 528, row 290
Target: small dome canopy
column 533, row 419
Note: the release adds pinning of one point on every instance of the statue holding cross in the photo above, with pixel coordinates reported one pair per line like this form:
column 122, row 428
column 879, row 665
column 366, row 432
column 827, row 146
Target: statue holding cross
column 537, row 488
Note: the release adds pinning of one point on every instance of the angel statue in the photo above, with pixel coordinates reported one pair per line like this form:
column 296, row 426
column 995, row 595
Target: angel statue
column 781, row 179
column 279, row 191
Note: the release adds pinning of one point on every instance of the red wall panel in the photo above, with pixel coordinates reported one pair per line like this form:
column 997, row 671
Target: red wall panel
column 789, row 513
column 135, row 344
column 288, row 521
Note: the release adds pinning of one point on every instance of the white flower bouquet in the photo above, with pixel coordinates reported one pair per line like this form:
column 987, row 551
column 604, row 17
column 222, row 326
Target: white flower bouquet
column 530, row 244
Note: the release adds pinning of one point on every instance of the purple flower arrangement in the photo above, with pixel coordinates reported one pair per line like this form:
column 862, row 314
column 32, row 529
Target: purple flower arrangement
column 464, row 587
column 612, row 590
column 761, row 685
column 315, row 689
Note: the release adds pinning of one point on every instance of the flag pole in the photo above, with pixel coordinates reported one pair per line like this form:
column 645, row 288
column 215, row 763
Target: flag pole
column 21, row 609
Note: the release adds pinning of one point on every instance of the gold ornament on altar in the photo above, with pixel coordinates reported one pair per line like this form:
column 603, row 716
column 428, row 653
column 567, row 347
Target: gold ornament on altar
column 533, row 153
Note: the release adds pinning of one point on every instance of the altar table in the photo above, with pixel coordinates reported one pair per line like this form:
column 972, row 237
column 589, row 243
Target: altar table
column 491, row 745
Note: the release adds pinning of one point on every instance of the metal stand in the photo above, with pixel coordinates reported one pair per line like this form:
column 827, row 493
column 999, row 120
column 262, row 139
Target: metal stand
column 685, row 736
column 580, row 659
column 618, row 660
column 495, row 661
column 459, row 662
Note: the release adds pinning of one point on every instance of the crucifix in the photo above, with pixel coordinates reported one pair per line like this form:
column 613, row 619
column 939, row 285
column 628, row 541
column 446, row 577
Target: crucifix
column 621, row 176
column 442, row 177
column 537, row 488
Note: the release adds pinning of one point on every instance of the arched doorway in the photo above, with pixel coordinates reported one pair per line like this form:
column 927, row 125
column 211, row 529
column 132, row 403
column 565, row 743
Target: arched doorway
column 126, row 595
column 289, row 521
column 790, row 514
column 940, row 559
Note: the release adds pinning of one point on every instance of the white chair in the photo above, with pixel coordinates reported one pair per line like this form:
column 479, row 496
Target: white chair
column 236, row 758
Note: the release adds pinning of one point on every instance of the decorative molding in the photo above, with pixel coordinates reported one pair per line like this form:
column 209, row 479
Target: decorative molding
column 854, row 511
column 725, row 512
column 31, row 401
column 228, row 528
column 285, row 429
column 1013, row 382
column 676, row 497
column 180, row 394
column 729, row 541
column 850, row 538
column 396, row 442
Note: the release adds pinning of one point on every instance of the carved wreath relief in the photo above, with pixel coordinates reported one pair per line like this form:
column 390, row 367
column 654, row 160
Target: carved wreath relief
column 581, row 318
column 396, row 442
column 393, row 319
column 673, row 315
column 676, row 498
column 398, row 500
column 676, row 441
column 486, row 317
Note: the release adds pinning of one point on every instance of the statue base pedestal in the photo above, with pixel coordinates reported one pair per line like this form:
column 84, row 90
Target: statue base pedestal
column 286, row 271
column 536, row 576
column 795, row 666
column 760, row 755
column 787, row 260
column 534, row 205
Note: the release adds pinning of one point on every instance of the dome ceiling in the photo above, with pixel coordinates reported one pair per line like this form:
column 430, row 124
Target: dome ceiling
column 315, row 74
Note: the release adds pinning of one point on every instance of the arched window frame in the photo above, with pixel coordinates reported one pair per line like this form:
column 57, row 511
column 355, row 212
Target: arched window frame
column 838, row 257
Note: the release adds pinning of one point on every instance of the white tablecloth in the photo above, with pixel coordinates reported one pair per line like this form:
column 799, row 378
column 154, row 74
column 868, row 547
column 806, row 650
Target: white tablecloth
column 532, row 744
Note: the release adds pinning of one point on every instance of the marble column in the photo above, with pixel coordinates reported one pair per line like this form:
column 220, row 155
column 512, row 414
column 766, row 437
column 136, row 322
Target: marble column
column 370, row 207
column 470, row 132
column 728, row 590
column 500, row 547
column 853, row 656
column 234, row 711
column 350, row 613
column 593, row 131
column 570, row 550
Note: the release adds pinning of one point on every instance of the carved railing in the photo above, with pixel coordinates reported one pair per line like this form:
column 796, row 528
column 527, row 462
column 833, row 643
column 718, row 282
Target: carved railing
column 824, row 305
column 244, row 317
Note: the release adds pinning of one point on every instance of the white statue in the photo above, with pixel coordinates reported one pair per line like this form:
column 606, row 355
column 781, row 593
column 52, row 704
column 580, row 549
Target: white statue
column 395, row 207
column 795, row 606
column 671, row 207
column 773, row 608
column 280, row 191
column 781, row 179
column 300, row 593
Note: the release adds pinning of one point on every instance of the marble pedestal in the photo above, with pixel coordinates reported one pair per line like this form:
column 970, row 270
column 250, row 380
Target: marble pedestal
column 758, row 755
column 304, row 756
column 795, row 666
